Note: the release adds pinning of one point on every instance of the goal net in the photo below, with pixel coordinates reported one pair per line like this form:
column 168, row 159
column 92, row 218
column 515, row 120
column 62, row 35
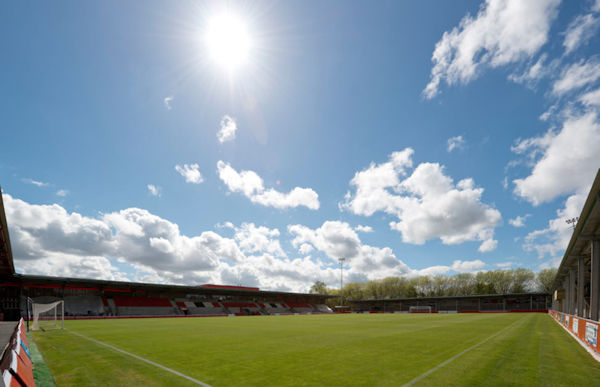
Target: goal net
column 48, row 316
column 419, row 309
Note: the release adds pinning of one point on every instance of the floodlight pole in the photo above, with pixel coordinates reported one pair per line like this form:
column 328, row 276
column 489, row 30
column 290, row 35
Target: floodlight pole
column 341, row 261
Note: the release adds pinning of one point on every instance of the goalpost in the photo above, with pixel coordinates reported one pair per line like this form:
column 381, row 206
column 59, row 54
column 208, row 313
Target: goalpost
column 419, row 309
column 48, row 316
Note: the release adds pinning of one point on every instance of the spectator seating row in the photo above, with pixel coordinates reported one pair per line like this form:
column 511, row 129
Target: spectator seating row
column 301, row 307
column 144, row 306
column 277, row 307
column 90, row 305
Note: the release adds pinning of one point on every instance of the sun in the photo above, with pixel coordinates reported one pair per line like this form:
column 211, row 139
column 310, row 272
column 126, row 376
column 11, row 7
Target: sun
column 228, row 41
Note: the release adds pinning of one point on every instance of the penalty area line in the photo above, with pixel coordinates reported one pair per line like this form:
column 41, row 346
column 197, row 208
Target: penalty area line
column 429, row 372
column 162, row 367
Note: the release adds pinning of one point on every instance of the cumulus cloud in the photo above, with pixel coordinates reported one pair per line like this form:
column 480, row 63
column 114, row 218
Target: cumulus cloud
column 48, row 240
column 338, row 240
column 576, row 76
column 467, row 266
column 253, row 239
column 579, row 31
column 62, row 192
column 519, row 221
column 361, row 228
column 191, row 173
column 154, row 190
column 167, row 101
column 227, row 129
column 427, row 203
column 457, row 142
column 564, row 162
column 554, row 239
column 35, row 182
column 503, row 32
column 252, row 186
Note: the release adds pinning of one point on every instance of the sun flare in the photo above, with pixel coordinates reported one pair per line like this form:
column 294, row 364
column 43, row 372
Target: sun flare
column 228, row 41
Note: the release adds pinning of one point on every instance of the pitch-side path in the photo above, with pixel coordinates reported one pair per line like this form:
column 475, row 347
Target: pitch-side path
column 429, row 372
column 189, row 378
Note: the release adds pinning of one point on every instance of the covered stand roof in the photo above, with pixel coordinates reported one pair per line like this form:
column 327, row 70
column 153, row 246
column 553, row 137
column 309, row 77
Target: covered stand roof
column 131, row 287
column 6, row 259
column 586, row 229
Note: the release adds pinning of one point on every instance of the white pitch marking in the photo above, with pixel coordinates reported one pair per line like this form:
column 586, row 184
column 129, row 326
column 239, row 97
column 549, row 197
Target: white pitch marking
column 142, row 359
column 426, row 373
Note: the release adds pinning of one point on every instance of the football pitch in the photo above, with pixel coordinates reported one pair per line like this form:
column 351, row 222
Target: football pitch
column 336, row 350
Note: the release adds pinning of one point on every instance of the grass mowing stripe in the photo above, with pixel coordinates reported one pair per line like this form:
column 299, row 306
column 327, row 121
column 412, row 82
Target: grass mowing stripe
column 432, row 370
column 141, row 359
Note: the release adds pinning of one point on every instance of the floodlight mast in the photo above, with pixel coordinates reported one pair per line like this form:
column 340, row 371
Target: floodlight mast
column 341, row 261
column 572, row 221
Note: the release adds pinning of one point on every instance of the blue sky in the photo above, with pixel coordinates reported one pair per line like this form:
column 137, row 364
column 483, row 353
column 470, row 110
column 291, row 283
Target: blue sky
column 411, row 138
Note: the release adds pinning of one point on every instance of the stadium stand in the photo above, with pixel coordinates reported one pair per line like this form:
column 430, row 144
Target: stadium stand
column 479, row 303
column 576, row 288
column 205, row 308
column 84, row 306
column 16, row 367
column 322, row 308
column 300, row 307
column 276, row 308
column 144, row 306
column 242, row 308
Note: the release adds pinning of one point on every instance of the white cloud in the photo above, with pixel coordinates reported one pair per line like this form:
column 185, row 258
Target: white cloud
column 305, row 249
column 227, row 130
column 576, row 76
column 564, row 162
column 252, row 186
column 338, row 240
column 457, row 142
column 191, row 172
column 579, row 31
column 427, row 203
column 167, row 102
column 504, row 265
column 519, row 221
column 35, row 182
column 487, row 246
column 253, row 239
column 467, row 266
column 62, row 192
column 554, row 239
column 503, row 32
column 361, row 228
column 154, row 190
column 533, row 72
column 591, row 98
column 48, row 240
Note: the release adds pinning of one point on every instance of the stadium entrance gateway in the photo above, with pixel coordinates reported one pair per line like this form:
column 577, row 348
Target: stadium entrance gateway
column 576, row 289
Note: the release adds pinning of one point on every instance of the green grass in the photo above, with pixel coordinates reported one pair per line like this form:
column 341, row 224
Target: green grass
column 338, row 350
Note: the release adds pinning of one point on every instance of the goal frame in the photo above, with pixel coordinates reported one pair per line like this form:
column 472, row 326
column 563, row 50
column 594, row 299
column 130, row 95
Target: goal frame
column 420, row 309
column 38, row 308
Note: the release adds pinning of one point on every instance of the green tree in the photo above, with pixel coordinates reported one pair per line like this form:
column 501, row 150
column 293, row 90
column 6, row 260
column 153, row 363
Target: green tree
column 522, row 280
column 318, row 287
column 545, row 279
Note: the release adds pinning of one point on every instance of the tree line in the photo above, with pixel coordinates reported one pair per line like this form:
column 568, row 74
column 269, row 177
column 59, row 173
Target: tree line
column 463, row 284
